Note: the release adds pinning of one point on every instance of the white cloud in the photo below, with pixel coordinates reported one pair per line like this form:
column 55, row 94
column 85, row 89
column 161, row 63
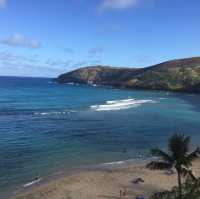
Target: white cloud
column 6, row 56
column 18, row 40
column 58, row 62
column 3, row 3
column 26, row 69
column 117, row 4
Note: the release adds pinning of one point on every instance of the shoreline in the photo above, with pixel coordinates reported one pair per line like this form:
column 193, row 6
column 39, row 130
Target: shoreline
column 128, row 88
column 98, row 180
column 107, row 166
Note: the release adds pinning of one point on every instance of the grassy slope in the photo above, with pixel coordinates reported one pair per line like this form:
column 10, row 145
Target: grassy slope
column 176, row 75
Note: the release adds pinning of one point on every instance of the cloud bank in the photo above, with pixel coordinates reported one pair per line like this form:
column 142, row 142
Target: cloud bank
column 6, row 56
column 19, row 40
column 58, row 62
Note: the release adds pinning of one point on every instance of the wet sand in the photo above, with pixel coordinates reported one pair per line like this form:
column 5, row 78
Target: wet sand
column 104, row 183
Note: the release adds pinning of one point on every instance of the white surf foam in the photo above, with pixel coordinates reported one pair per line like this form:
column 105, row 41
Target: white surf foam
column 120, row 104
column 31, row 183
column 114, row 163
column 53, row 113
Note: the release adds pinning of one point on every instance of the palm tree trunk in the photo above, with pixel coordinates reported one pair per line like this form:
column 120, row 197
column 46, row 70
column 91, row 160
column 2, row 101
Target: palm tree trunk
column 179, row 184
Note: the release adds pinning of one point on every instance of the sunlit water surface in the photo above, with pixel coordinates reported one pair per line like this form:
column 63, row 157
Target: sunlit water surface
column 46, row 127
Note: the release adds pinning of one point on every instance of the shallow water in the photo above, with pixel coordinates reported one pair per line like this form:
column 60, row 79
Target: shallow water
column 46, row 127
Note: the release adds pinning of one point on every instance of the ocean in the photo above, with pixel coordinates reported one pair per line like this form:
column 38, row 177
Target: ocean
column 46, row 127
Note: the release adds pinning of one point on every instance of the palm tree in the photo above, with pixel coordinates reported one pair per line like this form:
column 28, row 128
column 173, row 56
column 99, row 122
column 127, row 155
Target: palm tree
column 178, row 157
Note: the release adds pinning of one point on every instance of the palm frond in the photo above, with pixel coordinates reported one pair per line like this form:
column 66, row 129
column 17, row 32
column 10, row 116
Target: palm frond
column 159, row 165
column 159, row 153
column 186, row 172
column 174, row 142
column 179, row 145
column 193, row 155
column 184, row 161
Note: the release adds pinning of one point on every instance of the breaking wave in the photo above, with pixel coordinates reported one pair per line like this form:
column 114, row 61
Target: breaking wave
column 120, row 104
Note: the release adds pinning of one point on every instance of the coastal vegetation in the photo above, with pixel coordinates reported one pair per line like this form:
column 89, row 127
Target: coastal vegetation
column 177, row 157
column 191, row 190
column 181, row 75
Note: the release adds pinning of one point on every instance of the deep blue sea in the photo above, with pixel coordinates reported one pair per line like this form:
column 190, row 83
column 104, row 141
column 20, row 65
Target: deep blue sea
column 46, row 127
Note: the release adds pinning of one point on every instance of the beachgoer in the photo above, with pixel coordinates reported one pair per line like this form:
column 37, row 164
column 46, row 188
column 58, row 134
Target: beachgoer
column 120, row 193
column 124, row 192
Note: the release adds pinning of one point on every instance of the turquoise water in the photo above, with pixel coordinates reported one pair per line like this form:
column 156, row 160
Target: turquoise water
column 46, row 127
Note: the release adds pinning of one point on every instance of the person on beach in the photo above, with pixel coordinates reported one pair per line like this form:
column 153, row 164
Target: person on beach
column 120, row 194
column 123, row 193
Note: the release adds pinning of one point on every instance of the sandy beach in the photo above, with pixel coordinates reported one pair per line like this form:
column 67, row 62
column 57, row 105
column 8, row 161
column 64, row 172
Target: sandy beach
column 104, row 183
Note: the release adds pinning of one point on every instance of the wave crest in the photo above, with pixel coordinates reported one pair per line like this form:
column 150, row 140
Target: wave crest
column 120, row 104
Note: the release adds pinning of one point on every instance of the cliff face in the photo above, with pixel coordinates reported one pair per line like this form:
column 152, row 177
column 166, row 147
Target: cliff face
column 175, row 75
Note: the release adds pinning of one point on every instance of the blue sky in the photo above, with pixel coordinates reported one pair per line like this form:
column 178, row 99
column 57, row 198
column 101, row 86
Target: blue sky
column 49, row 37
